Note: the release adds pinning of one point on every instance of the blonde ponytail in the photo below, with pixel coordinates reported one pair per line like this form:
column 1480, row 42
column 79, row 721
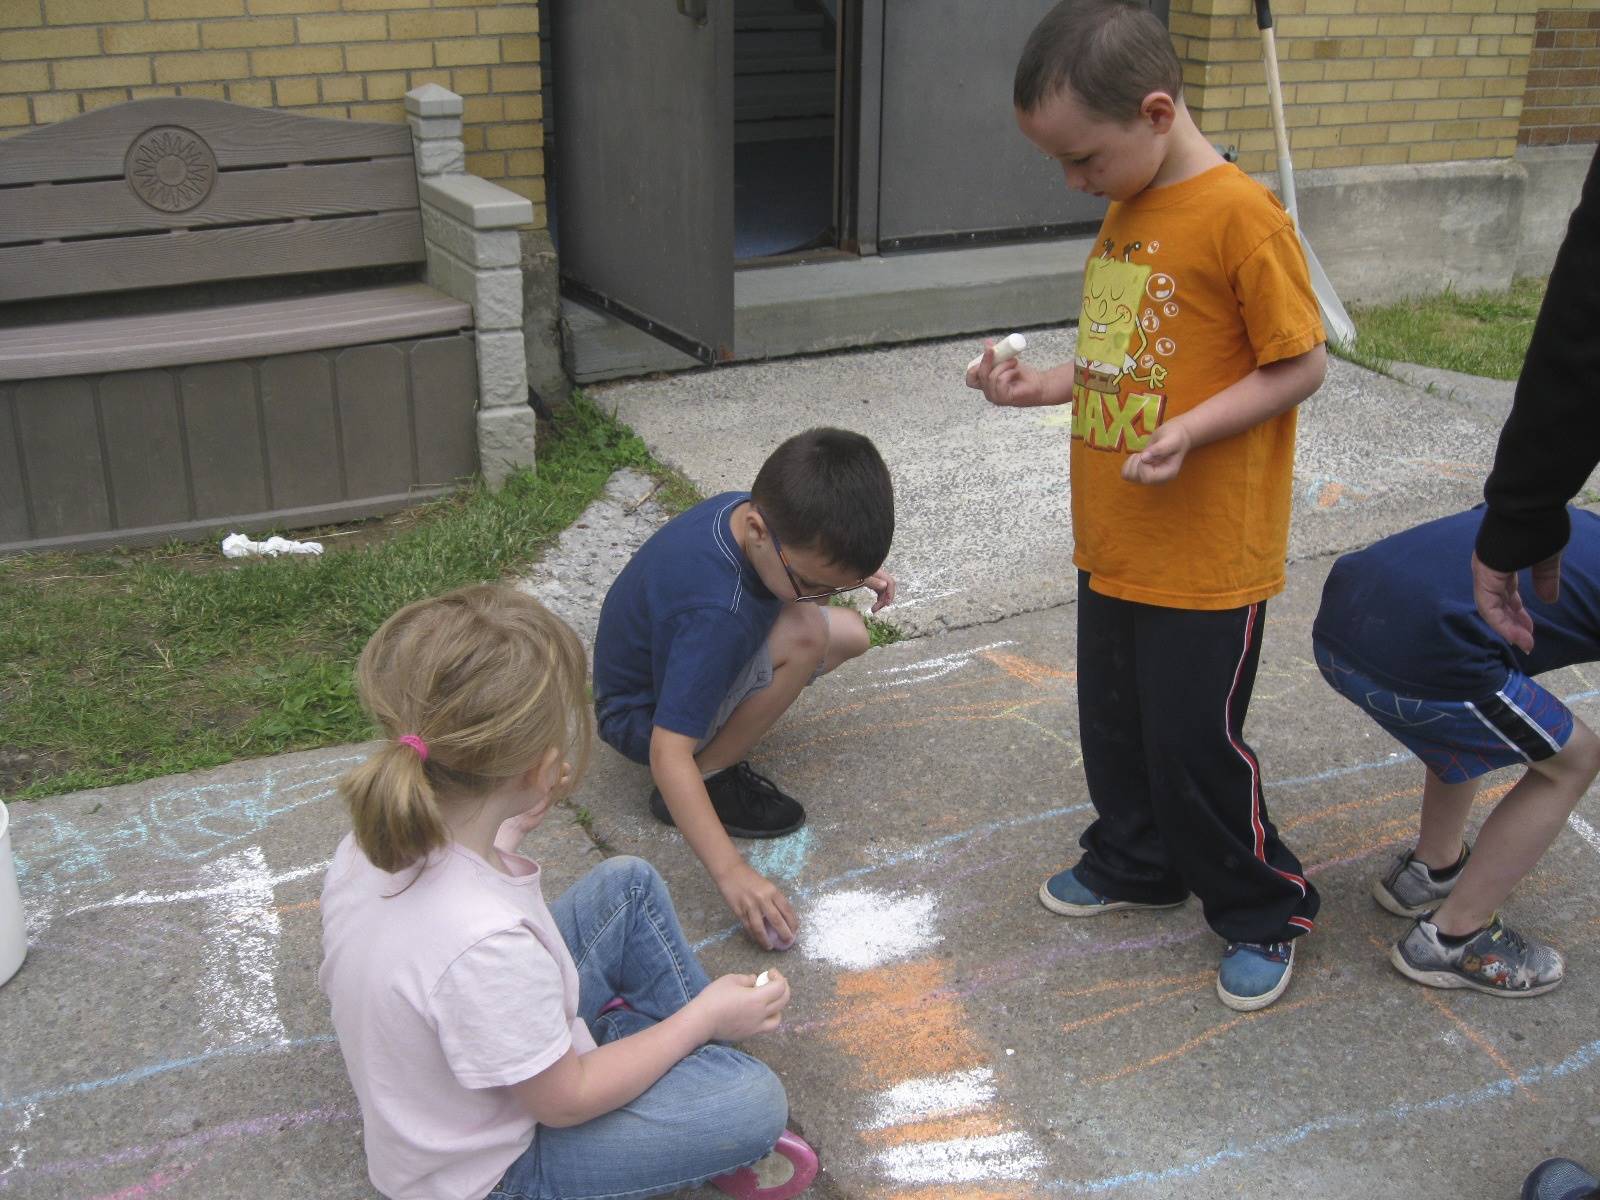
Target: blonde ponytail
column 393, row 808
column 487, row 680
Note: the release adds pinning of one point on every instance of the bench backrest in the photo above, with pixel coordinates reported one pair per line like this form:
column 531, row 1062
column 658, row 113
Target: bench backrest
column 157, row 193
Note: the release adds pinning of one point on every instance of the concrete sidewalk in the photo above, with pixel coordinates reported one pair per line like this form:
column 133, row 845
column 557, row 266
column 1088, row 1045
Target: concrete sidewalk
column 949, row 1039
column 982, row 494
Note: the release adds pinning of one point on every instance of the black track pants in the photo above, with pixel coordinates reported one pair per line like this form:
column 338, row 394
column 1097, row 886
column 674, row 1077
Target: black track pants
column 1162, row 697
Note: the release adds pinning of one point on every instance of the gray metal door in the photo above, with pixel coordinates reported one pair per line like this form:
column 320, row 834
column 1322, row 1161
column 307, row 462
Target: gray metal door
column 644, row 110
column 953, row 166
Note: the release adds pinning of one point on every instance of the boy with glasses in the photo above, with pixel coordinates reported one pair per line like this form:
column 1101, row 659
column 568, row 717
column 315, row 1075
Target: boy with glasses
column 715, row 626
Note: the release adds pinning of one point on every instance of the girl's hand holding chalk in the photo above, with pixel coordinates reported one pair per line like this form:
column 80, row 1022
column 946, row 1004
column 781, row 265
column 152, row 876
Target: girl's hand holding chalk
column 735, row 1007
column 1009, row 346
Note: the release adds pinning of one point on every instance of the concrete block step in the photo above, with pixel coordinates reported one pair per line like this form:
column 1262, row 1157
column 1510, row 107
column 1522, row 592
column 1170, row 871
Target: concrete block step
column 805, row 307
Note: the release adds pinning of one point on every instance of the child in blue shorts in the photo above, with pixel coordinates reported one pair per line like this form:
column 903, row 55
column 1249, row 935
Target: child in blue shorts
column 714, row 628
column 1399, row 636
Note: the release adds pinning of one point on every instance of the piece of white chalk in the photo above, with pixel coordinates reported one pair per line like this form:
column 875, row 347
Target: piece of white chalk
column 761, row 979
column 1009, row 346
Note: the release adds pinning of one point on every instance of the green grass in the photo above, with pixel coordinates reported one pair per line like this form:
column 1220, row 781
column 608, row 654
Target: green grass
column 1482, row 334
column 881, row 632
column 127, row 665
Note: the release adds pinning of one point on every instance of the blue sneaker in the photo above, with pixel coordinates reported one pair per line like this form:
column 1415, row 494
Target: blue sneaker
column 1253, row 975
column 1063, row 893
column 1558, row 1179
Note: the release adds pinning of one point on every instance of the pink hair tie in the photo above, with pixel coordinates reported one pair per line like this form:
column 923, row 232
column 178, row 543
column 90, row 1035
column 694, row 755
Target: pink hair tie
column 416, row 743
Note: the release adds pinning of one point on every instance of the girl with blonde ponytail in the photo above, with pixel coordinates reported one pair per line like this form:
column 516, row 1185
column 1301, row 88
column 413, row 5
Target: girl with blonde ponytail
column 500, row 1046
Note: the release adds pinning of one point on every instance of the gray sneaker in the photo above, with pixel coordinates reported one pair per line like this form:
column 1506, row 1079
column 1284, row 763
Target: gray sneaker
column 1409, row 891
column 1498, row 961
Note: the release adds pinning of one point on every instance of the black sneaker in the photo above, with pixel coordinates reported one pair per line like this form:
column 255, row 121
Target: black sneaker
column 748, row 805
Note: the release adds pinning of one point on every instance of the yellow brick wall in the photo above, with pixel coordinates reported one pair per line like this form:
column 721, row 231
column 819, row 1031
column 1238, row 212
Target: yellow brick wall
column 326, row 58
column 1366, row 82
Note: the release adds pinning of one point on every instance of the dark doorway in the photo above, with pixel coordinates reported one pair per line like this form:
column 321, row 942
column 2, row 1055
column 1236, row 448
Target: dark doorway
column 785, row 99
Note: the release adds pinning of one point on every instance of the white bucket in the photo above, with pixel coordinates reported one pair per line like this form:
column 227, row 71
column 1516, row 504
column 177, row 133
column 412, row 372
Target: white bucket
column 13, row 931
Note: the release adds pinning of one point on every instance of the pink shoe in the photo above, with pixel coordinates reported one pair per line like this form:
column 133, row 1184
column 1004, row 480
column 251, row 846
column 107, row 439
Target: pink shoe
column 787, row 1171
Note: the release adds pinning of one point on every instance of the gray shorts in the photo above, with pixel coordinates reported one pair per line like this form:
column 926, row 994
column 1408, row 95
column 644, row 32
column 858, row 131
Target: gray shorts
column 757, row 674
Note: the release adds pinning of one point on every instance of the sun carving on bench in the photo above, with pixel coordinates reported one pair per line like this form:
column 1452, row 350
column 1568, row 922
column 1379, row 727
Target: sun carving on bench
column 171, row 168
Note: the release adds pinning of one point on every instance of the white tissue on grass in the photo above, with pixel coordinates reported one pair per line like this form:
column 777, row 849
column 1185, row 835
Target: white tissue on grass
column 236, row 545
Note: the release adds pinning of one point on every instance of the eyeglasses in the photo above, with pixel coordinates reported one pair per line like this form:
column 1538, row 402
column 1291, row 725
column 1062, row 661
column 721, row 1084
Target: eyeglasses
column 800, row 595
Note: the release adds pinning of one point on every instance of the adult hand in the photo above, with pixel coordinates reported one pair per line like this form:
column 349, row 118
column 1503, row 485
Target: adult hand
column 883, row 584
column 734, row 1008
column 1500, row 602
column 1009, row 384
column 1162, row 456
column 757, row 902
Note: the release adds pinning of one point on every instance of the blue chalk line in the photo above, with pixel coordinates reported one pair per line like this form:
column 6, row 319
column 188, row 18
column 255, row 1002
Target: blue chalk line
column 162, row 1068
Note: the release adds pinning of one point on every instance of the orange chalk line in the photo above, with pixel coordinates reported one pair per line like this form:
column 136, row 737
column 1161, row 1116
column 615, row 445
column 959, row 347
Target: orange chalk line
column 1117, row 985
column 1486, row 796
column 1471, row 1034
column 912, row 1036
column 982, row 1123
column 1345, row 806
column 1036, row 674
column 896, row 1027
column 1018, row 667
column 1047, row 731
column 1195, row 1042
column 1109, row 1014
column 887, row 696
column 958, row 715
column 955, row 1192
column 1396, row 829
column 1478, row 1040
column 304, row 904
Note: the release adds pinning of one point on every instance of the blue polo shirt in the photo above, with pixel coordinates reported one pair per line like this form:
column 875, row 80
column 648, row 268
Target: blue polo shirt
column 1401, row 611
column 678, row 625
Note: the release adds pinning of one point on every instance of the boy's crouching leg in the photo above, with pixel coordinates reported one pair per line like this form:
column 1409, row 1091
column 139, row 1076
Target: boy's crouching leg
column 1464, row 944
column 847, row 636
column 1519, row 831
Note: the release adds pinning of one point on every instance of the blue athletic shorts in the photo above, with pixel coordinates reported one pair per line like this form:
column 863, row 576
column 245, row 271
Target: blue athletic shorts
column 1459, row 739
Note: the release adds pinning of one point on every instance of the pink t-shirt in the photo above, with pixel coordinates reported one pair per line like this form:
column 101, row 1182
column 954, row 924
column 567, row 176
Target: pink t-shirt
column 443, row 994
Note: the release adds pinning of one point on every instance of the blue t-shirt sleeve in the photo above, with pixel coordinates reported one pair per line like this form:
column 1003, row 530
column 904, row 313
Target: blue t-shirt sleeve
column 699, row 653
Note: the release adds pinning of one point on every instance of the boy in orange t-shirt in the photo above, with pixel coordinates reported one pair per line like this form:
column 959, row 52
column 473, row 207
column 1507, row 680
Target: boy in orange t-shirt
column 1199, row 335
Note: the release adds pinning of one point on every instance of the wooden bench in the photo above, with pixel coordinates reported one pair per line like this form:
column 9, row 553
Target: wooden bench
column 214, row 315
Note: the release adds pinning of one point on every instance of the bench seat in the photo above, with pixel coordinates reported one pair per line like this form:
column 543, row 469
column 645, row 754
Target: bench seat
column 223, row 333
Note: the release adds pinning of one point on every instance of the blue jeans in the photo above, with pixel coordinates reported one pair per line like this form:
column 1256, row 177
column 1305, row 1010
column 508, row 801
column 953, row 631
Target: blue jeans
column 715, row 1111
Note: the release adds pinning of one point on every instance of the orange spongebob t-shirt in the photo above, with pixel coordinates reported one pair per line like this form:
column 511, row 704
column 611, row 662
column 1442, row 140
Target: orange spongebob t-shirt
column 1190, row 288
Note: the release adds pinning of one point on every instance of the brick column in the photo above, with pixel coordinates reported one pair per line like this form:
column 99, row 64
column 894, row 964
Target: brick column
column 475, row 254
column 434, row 114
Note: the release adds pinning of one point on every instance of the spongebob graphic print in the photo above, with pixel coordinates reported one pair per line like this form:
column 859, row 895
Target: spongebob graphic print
column 1188, row 288
column 1114, row 347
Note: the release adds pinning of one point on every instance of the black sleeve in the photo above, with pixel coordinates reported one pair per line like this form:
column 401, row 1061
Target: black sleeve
column 1551, row 441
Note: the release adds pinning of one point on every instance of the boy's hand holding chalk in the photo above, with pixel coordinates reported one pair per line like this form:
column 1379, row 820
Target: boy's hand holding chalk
column 1009, row 346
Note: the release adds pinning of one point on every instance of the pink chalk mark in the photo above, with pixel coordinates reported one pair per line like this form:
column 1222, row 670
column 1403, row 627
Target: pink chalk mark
column 202, row 1140
column 159, row 1182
